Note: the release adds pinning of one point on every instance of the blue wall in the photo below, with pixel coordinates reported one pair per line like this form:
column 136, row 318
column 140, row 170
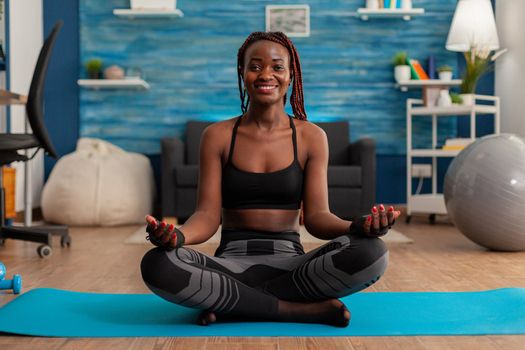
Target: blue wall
column 190, row 64
column 62, row 93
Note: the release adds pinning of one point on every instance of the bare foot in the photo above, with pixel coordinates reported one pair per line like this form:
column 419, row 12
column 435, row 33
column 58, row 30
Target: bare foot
column 206, row 317
column 332, row 312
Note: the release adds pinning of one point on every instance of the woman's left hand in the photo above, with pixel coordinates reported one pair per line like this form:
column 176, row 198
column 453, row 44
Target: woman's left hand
column 377, row 223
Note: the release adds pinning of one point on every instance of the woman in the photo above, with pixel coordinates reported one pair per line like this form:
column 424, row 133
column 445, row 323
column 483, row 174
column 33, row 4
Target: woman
column 257, row 168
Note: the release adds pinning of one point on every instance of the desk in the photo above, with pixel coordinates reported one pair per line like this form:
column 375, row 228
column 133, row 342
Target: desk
column 11, row 98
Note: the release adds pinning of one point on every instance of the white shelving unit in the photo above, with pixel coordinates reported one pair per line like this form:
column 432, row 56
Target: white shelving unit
column 147, row 13
column 434, row 203
column 418, row 84
column 406, row 14
column 135, row 83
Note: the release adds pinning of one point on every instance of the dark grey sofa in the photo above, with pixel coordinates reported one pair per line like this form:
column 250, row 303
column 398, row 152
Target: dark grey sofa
column 351, row 171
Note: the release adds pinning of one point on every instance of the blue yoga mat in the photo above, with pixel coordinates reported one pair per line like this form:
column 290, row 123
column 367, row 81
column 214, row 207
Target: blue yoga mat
column 52, row 312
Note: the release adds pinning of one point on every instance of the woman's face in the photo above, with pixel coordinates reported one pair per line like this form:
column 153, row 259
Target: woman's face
column 266, row 72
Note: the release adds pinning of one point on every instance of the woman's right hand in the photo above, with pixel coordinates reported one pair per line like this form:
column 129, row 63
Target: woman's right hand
column 160, row 232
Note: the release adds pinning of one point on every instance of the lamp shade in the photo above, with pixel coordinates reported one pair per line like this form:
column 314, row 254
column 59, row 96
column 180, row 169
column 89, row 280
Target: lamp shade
column 473, row 25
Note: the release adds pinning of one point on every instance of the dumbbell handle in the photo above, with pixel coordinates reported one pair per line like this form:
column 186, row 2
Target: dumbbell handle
column 15, row 284
column 6, row 284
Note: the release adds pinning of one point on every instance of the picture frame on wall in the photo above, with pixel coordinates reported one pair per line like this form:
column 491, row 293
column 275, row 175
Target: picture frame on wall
column 293, row 20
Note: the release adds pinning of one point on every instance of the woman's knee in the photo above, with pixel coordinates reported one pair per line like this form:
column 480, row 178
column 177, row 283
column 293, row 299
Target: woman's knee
column 363, row 253
column 159, row 272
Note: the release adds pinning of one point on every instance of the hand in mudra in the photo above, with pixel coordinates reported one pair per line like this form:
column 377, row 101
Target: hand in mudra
column 163, row 234
column 375, row 224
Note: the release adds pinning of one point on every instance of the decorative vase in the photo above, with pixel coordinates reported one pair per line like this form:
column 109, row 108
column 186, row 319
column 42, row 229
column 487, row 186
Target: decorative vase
column 372, row 4
column 402, row 73
column 468, row 99
column 154, row 4
column 444, row 98
column 114, row 72
column 406, row 4
column 445, row 76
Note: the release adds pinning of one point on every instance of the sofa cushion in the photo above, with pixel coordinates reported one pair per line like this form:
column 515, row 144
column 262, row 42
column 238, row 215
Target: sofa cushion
column 338, row 140
column 194, row 130
column 344, row 176
column 186, row 175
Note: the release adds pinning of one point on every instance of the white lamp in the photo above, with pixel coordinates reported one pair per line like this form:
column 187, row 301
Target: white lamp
column 473, row 25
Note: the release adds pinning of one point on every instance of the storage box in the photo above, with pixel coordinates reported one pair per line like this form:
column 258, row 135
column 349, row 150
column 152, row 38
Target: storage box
column 154, row 4
column 9, row 179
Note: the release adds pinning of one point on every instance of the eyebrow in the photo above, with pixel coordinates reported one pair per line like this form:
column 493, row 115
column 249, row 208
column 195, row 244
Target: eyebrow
column 260, row 59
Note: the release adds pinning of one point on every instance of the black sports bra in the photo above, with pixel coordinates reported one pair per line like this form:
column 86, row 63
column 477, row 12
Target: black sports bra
column 281, row 189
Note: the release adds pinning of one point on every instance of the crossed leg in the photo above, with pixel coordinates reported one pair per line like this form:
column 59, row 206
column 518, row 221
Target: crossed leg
column 237, row 287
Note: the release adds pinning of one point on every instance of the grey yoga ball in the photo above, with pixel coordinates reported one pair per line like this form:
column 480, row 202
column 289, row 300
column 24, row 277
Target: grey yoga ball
column 485, row 192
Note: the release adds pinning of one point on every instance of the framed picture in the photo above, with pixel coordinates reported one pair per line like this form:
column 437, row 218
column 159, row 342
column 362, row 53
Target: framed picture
column 293, row 20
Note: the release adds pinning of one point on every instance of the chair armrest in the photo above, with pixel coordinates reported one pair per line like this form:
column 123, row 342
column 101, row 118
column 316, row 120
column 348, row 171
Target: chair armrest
column 172, row 155
column 363, row 152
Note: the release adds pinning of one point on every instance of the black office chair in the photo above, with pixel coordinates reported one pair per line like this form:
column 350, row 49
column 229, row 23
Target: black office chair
column 10, row 144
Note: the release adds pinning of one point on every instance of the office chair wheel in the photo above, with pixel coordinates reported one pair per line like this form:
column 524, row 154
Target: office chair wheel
column 2, row 242
column 65, row 241
column 432, row 219
column 44, row 251
column 408, row 218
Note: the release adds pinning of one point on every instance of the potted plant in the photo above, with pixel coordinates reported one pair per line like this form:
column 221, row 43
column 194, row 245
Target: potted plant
column 456, row 98
column 445, row 73
column 401, row 69
column 478, row 61
column 94, row 68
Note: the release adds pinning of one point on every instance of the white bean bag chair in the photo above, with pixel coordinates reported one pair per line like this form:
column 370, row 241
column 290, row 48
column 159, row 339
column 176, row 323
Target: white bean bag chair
column 99, row 184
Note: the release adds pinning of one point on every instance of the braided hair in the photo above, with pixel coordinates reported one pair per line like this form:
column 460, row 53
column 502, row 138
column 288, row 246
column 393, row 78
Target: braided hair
column 297, row 98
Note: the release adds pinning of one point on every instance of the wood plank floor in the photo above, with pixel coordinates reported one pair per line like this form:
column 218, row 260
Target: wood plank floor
column 440, row 259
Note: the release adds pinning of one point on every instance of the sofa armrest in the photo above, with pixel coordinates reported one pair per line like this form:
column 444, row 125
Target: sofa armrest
column 172, row 155
column 363, row 152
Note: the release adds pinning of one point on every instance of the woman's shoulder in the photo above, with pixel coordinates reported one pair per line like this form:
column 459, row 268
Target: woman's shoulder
column 308, row 129
column 219, row 132
column 221, row 125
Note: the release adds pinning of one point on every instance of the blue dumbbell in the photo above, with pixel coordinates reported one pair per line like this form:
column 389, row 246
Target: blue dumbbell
column 15, row 284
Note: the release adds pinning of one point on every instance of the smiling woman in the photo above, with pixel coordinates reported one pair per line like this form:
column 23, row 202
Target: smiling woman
column 254, row 180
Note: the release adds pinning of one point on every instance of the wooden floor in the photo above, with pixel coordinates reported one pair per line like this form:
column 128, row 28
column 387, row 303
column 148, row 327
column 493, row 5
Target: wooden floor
column 440, row 259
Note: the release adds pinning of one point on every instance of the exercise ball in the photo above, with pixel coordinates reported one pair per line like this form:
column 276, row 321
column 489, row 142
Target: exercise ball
column 484, row 192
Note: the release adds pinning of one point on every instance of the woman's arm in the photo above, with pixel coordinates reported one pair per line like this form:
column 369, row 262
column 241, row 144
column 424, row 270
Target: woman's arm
column 318, row 219
column 205, row 221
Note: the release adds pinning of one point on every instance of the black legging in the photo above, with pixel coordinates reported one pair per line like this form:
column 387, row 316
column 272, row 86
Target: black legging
column 251, row 270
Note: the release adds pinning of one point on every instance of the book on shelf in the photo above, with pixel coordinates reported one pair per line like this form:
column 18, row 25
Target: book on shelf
column 393, row 4
column 386, row 4
column 422, row 75
column 457, row 143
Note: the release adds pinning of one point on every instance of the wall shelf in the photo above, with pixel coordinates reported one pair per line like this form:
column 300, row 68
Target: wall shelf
column 97, row 84
column 406, row 14
column 415, row 84
column 455, row 110
column 148, row 13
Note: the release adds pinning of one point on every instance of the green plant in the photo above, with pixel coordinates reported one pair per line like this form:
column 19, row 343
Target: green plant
column 456, row 98
column 400, row 59
column 445, row 68
column 94, row 65
column 478, row 61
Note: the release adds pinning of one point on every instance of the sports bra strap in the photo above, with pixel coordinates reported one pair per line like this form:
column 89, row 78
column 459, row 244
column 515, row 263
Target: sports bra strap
column 234, row 133
column 294, row 138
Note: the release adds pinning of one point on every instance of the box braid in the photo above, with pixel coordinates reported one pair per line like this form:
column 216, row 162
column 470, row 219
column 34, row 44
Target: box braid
column 297, row 98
